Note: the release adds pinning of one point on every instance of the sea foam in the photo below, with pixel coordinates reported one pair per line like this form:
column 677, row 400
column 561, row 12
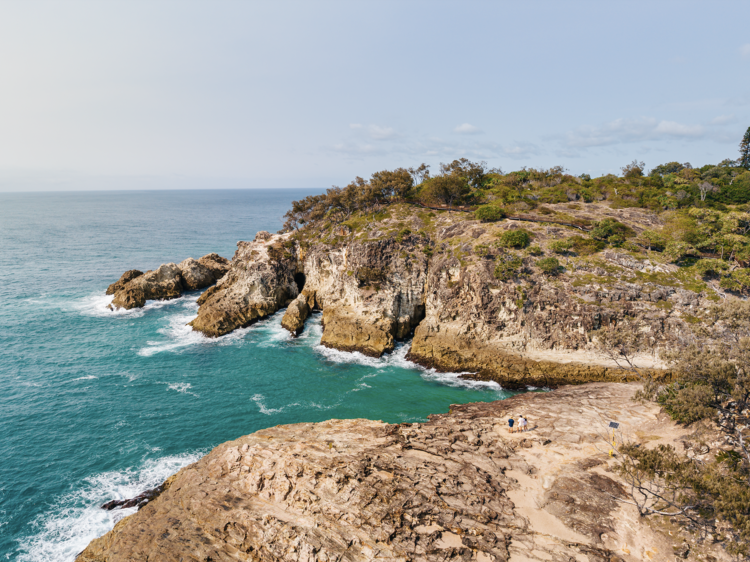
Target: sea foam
column 77, row 518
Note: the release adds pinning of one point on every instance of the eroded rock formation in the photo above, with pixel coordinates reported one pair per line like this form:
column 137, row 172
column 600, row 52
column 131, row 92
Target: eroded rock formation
column 169, row 281
column 371, row 293
column 459, row 487
column 259, row 282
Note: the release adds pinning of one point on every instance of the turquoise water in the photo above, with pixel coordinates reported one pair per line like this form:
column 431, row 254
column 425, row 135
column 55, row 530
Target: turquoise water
column 97, row 405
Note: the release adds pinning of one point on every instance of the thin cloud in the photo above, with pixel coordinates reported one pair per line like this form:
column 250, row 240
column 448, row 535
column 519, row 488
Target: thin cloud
column 723, row 119
column 382, row 133
column 622, row 131
column 745, row 51
column 355, row 125
column 467, row 129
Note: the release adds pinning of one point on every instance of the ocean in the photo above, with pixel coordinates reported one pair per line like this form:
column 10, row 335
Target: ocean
column 98, row 405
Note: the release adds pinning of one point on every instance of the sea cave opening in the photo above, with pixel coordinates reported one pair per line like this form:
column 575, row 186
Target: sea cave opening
column 299, row 279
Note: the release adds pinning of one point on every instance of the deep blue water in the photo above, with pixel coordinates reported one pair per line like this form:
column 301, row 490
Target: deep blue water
column 98, row 405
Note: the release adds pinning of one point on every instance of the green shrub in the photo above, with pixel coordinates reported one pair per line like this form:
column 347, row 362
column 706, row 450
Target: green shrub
column 535, row 250
column 737, row 281
column 586, row 246
column 711, row 267
column 400, row 236
column 550, row 266
column 652, row 240
column 507, row 267
column 611, row 231
column 687, row 404
column 561, row 246
column 481, row 250
column 489, row 213
column 676, row 251
column 515, row 238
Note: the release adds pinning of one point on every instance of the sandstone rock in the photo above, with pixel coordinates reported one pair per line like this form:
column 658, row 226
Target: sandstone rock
column 295, row 315
column 371, row 293
column 124, row 280
column 198, row 274
column 456, row 488
column 134, row 288
column 217, row 265
column 195, row 275
column 163, row 283
column 259, row 282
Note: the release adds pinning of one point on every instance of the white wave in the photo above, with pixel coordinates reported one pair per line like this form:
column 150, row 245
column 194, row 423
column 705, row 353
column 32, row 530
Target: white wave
column 97, row 305
column 77, row 518
column 259, row 400
column 85, row 378
column 179, row 335
column 271, row 331
column 182, row 387
column 397, row 358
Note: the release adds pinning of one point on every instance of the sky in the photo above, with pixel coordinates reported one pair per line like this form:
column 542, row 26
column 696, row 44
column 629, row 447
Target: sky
column 158, row 94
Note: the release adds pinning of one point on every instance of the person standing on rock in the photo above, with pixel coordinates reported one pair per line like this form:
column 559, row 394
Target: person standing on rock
column 511, row 421
column 523, row 424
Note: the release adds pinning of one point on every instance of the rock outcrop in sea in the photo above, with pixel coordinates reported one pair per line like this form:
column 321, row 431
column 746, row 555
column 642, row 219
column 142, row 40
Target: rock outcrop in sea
column 169, row 281
column 459, row 487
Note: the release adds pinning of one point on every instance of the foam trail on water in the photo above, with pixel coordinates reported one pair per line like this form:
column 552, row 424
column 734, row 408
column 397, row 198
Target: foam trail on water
column 183, row 387
column 77, row 518
column 267, row 332
column 259, row 400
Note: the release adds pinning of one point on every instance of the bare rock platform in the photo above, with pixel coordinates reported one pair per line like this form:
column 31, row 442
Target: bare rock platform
column 459, row 487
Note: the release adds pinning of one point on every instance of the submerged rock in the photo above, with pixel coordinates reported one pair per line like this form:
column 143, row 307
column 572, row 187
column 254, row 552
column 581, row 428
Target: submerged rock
column 458, row 487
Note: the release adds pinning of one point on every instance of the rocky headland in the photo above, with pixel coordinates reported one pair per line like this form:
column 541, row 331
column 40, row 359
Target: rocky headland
column 412, row 272
column 459, row 487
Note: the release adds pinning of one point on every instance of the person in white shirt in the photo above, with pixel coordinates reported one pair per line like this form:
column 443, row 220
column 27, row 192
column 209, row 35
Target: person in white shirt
column 523, row 424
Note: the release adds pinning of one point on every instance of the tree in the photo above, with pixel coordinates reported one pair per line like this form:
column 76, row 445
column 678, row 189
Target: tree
column 420, row 174
column 396, row 184
column 744, row 160
column 704, row 187
column 633, row 170
column 668, row 168
column 474, row 172
column 447, row 189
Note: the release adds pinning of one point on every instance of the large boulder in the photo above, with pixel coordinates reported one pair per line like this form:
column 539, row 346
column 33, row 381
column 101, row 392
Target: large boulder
column 162, row 283
column 126, row 278
column 217, row 265
column 198, row 274
column 296, row 314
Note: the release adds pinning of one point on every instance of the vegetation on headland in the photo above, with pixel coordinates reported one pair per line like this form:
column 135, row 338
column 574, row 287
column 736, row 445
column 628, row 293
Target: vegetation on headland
column 705, row 211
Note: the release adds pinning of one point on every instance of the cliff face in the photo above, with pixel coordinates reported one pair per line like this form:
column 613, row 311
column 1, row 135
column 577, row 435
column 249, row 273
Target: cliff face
column 371, row 293
column 459, row 487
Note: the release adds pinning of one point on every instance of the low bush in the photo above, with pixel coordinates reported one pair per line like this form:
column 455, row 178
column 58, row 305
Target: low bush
column 561, row 246
column 489, row 213
column 515, row 238
column 535, row 250
column 507, row 267
column 738, row 281
column 549, row 266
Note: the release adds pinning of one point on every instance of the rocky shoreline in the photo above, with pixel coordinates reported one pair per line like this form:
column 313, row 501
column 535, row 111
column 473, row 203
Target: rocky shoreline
column 459, row 487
